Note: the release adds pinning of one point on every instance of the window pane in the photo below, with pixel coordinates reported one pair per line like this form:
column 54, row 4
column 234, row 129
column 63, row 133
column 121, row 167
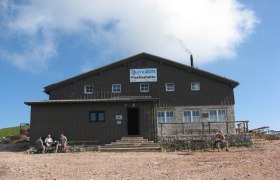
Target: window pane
column 93, row 116
column 88, row 89
column 116, row 88
column 160, row 117
column 187, row 116
column 170, row 87
column 169, row 116
column 144, row 87
column 101, row 116
column 213, row 115
column 196, row 116
column 222, row 115
column 195, row 86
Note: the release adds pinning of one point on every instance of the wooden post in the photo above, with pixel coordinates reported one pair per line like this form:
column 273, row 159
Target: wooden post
column 247, row 128
column 244, row 128
column 227, row 126
column 161, row 129
column 202, row 127
column 209, row 127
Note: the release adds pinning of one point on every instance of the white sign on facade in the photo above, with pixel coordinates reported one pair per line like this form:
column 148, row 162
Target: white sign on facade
column 143, row 75
column 119, row 122
column 118, row 117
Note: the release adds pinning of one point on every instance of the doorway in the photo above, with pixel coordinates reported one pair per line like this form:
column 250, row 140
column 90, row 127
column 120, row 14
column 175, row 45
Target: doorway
column 133, row 121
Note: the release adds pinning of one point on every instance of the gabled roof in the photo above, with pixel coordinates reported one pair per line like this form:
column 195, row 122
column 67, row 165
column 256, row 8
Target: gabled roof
column 136, row 57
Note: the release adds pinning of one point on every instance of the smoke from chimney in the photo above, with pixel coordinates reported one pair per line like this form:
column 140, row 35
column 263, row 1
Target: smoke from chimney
column 181, row 43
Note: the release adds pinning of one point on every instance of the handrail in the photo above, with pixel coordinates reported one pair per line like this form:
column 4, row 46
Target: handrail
column 208, row 124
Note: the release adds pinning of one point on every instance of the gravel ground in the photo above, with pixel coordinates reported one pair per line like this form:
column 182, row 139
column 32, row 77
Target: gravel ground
column 262, row 161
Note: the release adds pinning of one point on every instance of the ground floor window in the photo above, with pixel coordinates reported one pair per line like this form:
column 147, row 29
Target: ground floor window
column 165, row 116
column 191, row 116
column 97, row 116
column 217, row 115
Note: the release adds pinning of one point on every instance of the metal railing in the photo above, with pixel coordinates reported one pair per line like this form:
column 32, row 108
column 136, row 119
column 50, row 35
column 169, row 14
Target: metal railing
column 208, row 127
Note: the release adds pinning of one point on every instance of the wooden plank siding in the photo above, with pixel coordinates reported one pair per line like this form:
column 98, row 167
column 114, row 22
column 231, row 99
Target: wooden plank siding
column 212, row 91
column 73, row 121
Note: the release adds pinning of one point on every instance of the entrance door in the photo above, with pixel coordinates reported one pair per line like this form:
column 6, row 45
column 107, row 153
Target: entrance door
column 133, row 121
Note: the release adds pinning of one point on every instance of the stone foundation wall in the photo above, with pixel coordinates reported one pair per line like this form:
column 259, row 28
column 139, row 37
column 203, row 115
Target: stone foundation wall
column 209, row 138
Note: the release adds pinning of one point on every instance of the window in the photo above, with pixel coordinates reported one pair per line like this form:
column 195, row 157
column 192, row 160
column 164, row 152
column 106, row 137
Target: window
column 169, row 116
column 88, row 89
column 217, row 115
column 195, row 86
column 144, row 87
column 169, row 86
column 191, row 116
column 97, row 116
column 165, row 116
column 116, row 88
column 161, row 117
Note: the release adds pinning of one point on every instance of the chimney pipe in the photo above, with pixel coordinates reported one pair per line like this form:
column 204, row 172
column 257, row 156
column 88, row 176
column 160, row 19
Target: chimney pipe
column 191, row 57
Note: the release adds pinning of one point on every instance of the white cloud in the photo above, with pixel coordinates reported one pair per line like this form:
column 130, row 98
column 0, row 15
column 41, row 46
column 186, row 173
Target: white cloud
column 211, row 29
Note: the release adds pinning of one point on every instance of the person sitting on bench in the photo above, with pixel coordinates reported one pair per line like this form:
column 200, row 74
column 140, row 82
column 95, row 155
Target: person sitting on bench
column 40, row 148
column 48, row 142
column 220, row 139
column 62, row 143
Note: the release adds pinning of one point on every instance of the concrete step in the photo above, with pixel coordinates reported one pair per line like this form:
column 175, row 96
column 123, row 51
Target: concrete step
column 136, row 149
column 132, row 144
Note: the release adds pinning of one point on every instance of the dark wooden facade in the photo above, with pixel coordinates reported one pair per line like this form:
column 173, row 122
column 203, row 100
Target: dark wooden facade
column 72, row 118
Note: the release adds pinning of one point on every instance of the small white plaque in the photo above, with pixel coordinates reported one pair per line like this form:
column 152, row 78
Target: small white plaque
column 118, row 117
column 119, row 122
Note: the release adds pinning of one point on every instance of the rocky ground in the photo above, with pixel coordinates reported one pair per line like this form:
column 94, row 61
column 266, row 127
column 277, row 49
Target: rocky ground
column 262, row 161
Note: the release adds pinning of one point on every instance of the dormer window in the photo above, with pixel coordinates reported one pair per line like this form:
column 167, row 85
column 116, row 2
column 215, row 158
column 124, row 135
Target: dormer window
column 195, row 86
column 88, row 89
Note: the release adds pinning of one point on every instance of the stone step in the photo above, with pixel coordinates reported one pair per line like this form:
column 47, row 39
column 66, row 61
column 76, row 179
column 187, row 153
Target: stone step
column 121, row 142
column 131, row 145
column 136, row 149
column 132, row 137
column 133, row 142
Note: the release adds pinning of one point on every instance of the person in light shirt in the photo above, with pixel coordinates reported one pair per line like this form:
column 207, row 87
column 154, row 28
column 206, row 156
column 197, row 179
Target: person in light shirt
column 48, row 141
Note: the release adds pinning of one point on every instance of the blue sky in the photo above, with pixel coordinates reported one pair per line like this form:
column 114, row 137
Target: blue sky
column 42, row 42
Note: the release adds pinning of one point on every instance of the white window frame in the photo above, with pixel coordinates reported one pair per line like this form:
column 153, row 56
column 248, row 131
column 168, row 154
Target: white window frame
column 168, row 85
column 144, row 90
column 166, row 117
column 115, row 88
column 87, row 88
column 161, row 119
column 192, row 120
column 218, row 117
column 195, row 86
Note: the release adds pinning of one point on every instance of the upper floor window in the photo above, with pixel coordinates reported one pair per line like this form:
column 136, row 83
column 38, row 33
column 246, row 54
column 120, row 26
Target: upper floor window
column 195, row 86
column 88, row 89
column 144, row 87
column 116, row 88
column 169, row 86
column 165, row 116
column 97, row 116
column 191, row 116
column 217, row 115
